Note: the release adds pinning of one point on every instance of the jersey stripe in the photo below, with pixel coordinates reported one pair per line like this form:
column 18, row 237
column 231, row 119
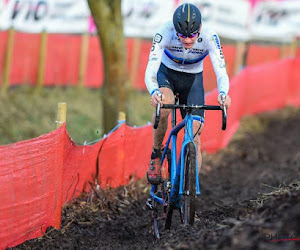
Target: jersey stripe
column 184, row 61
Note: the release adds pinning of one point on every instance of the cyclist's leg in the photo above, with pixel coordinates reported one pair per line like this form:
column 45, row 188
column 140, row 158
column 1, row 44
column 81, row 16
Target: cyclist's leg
column 159, row 133
column 164, row 79
column 165, row 87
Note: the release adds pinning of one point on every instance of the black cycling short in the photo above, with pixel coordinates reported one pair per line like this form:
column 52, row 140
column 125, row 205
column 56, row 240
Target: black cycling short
column 188, row 86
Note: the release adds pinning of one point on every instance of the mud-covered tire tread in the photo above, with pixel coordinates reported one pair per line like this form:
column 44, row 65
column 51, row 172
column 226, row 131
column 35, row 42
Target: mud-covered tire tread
column 189, row 184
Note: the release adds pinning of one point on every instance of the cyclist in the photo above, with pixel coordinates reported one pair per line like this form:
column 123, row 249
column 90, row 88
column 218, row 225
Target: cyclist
column 175, row 66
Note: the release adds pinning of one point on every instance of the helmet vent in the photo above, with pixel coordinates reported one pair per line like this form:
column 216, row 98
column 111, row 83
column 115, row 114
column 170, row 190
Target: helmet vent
column 180, row 27
column 192, row 26
column 186, row 25
column 194, row 15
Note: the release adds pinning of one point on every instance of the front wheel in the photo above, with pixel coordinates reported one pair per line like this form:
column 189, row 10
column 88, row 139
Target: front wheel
column 189, row 185
column 159, row 211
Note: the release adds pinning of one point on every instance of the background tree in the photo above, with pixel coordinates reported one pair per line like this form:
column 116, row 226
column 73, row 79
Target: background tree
column 109, row 22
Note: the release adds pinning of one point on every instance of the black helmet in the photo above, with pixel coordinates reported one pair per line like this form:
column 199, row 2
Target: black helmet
column 187, row 19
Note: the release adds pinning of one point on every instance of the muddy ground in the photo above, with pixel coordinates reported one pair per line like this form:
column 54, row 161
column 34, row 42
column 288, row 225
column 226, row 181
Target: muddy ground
column 250, row 199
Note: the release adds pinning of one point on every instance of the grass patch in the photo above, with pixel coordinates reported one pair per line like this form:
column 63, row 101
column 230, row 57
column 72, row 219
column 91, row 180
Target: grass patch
column 26, row 114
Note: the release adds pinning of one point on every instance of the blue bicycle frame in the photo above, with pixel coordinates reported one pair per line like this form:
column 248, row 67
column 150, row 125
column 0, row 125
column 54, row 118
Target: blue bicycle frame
column 177, row 169
column 179, row 192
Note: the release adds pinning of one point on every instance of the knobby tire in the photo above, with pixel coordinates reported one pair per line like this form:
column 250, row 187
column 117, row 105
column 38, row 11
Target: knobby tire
column 159, row 212
column 189, row 195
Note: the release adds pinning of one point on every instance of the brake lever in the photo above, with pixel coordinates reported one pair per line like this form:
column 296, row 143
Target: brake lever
column 224, row 113
column 223, row 98
column 157, row 114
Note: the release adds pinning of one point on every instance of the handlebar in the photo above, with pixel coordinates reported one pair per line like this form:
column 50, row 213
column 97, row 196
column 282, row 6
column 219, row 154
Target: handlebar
column 190, row 108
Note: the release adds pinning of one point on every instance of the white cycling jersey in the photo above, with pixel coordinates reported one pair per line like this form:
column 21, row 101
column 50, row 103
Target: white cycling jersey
column 168, row 49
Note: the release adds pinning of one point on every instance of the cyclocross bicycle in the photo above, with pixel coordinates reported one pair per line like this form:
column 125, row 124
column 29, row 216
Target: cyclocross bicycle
column 178, row 190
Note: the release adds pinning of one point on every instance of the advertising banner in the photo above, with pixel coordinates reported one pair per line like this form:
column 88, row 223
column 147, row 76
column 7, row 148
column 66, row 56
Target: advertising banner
column 229, row 18
column 143, row 17
column 233, row 19
column 54, row 16
column 276, row 21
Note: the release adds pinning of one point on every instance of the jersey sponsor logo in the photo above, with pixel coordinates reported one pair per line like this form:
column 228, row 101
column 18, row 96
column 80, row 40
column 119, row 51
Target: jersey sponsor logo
column 180, row 60
column 218, row 45
column 176, row 47
column 157, row 38
column 176, row 50
column 217, row 41
column 196, row 51
column 180, row 49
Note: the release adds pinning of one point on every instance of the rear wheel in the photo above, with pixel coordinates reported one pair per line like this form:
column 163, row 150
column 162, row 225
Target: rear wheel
column 189, row 185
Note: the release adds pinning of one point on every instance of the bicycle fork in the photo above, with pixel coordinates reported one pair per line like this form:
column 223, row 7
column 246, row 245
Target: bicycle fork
column 188, row 137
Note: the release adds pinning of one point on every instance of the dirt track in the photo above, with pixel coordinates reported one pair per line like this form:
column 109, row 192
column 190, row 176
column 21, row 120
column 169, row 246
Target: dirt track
column 250, row 197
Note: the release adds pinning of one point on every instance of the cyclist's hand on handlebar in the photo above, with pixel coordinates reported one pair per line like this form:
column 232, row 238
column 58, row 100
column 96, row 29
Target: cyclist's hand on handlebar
column 156, row 98
column 224, row 99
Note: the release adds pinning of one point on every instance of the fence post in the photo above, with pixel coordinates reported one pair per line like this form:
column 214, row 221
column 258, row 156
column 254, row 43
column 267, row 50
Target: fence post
column 283, row 51
column 8, row 58
column 42, row 59
column 83, row 58
column 61, row 113
column 122, row 116
column 239, row 56
column 293, row 47
column 135, row 60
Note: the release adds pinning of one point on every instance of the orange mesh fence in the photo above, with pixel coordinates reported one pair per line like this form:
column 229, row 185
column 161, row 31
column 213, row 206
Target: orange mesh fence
column 256, row 89
column 39, row 176
column 31, row 187
column 25, row 58
column 209, row 77
column 79, row 172
column 123, row 155
column 62, row 60
column 259, row 54
column 60, row 69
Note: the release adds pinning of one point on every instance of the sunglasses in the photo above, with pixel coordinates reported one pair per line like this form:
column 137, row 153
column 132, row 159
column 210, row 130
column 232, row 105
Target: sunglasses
column 190, row 36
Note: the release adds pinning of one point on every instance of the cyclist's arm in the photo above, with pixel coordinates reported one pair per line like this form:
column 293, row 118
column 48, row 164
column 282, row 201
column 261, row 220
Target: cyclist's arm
column 154, row 62
column 218, row 62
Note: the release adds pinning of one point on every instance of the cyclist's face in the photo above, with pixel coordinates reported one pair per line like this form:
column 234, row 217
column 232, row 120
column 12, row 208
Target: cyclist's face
column 188, row 42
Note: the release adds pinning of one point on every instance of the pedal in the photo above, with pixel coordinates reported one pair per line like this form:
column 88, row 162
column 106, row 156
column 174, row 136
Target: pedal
column 168, row 186
column 187, row 192
column 149, row 204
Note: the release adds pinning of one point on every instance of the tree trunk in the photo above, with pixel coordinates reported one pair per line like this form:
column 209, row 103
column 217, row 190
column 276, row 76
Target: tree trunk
column 109, row 22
